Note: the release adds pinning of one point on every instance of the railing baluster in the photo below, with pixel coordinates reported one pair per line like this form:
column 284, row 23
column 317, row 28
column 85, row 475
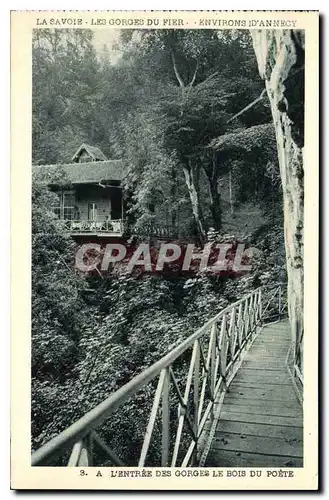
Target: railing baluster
column 84, row 455
column 212, row 346
column 253, row 312
column 217, row 350
column 250, row 316
column 231, row 333
column 182, row 405
column 205, row 364
column 90, row 442
column 260, row 307
column 81, row 453
column 103, row 446
column 187, row 457
column 151, row 422
column 246, row 320
column 223, row 347
column 196, row 384
column 240, row 326
column 183, row 410
column 165, row 419
column 75, row 454
column 229, row 329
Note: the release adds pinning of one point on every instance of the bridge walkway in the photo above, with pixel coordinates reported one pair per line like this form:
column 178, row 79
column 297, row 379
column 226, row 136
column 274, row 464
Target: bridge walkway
column 260, row 421
column 226, row 396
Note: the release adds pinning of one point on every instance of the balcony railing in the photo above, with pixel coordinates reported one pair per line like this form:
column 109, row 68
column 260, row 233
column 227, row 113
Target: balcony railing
column 114, row 227
column 156, row 230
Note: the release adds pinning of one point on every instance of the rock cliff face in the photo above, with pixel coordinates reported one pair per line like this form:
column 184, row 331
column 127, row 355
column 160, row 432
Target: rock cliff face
column 280, row 57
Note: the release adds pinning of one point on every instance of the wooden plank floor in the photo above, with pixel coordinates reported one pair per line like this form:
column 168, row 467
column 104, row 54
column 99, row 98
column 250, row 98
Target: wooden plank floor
column 261, row 421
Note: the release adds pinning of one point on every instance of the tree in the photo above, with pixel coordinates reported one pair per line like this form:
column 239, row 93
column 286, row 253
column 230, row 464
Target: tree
column 206, row 77
column 151, row 173
column 162, row 103
column 58, row 312
column 280, row 56
column 250, row 154
column 65, row 93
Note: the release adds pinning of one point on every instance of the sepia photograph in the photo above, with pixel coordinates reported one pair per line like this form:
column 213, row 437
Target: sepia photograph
column 167, row 246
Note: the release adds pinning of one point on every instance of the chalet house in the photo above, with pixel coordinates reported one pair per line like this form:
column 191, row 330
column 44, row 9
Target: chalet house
column 90, row 203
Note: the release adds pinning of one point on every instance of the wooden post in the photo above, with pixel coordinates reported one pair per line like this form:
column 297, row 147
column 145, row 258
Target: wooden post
column 75, row 454
column 253, row 312
column 232, row 333
column 165, row 420
column 260, row 307
column 90, row 448
column 240, row 326
column 223, row 348
column 196, row 383
column 245, row 320
column 81, row 454
column 230, row 188
column 213, row 364
column 152, row 419
column 84, row 459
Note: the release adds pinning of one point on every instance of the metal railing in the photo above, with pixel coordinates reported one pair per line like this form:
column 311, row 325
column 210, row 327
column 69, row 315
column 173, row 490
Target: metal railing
column 118, row 227
column 155, row 230
column 275, row 302
column 186, row 385
column 276, row 309
column 93, row 226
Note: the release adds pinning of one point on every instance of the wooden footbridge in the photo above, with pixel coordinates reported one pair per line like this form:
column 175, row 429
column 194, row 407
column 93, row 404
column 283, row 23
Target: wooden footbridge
column 230, row 395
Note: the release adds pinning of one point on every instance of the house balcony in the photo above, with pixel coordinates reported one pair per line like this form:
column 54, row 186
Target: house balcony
column 93, row 228
column 118, row 228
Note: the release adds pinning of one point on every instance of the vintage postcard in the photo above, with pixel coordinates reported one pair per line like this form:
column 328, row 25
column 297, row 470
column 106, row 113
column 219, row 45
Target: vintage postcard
column 164, row 202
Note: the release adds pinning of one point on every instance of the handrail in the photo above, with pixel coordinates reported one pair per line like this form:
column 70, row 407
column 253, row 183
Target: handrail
column 114, row 226
column 228, row 336
column 163, row 230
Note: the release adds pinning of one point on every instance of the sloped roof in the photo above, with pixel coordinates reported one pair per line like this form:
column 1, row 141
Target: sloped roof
column 85, row 173
column 93, row 151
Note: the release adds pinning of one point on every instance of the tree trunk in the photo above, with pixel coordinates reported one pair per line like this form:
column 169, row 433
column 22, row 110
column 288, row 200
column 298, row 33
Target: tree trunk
column 173, row 194
column 280, row 57
column 212, row 174
column 194, row 197
column 230, row 190
column 215, row 205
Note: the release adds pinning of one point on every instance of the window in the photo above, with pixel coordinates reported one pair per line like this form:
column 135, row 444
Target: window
column 92, row 211
column 65, row 208
column 68, row 205
column 56, row 208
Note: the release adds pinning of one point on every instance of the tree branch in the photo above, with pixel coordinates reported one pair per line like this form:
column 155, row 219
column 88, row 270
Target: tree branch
column 207, row 79
column 195, row 72
column 179, row 78
column 248, row 107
